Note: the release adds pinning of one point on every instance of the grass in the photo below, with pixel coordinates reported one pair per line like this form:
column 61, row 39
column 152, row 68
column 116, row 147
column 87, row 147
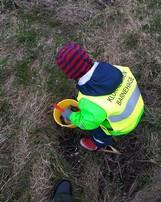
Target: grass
column 5, row 4
column 4, row 110
column 143, row 180
column 39, row 16
column 156, row 4
column 131, row 40
column 23, row 72
column 26, row 37
column 34, row 151
column 1, row 91
column 60, row 87
column 3, row 62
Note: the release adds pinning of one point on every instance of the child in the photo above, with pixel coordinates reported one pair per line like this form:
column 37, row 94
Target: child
column 109, row 99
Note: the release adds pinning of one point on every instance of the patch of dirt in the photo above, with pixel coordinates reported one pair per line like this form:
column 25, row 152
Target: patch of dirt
column 125, row 167
column 69, row 146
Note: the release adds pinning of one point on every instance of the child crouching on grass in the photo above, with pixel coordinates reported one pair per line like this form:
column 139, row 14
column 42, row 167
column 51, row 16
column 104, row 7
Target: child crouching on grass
column 109, row 99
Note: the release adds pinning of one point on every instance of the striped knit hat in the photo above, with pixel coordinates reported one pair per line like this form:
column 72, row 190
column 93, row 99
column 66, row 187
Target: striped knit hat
column 73, row 60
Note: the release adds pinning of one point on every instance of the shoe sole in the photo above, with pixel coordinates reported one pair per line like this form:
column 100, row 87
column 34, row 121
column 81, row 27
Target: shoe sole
column 81, row 143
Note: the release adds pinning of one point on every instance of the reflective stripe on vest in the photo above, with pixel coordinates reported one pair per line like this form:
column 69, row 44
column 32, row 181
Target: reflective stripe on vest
column 129, row 107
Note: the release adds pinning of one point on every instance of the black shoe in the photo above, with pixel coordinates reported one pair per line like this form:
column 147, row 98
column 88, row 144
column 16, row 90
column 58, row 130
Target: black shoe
column 62, row 187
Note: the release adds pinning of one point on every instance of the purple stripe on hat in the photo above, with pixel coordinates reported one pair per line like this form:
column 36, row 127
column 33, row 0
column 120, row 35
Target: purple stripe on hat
column 76, row 63
column 77, row 70
column 60, row 58
column 75, row 52
column 84, row 68
column 65, row 51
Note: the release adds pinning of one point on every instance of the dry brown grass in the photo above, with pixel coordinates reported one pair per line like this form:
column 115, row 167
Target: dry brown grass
column 34, row 152
column 77, row 13
column 151, row 192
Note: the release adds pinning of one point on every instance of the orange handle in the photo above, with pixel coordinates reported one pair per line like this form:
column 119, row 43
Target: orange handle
column 58, row 107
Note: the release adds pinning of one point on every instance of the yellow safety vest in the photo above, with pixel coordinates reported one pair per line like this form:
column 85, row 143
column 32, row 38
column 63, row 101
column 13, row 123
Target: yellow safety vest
column 124, row 107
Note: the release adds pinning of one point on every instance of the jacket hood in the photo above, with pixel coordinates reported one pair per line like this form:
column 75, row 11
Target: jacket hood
column 102, row 79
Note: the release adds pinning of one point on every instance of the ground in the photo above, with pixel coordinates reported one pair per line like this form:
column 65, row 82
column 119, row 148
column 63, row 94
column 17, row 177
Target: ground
column 34, row 151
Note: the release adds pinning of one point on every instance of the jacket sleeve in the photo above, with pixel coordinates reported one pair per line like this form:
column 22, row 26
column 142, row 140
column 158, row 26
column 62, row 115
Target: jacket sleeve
column 90, row 115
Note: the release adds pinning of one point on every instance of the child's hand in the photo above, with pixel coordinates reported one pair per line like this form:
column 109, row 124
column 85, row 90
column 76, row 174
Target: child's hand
column 67, row 121
column 66, row 114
